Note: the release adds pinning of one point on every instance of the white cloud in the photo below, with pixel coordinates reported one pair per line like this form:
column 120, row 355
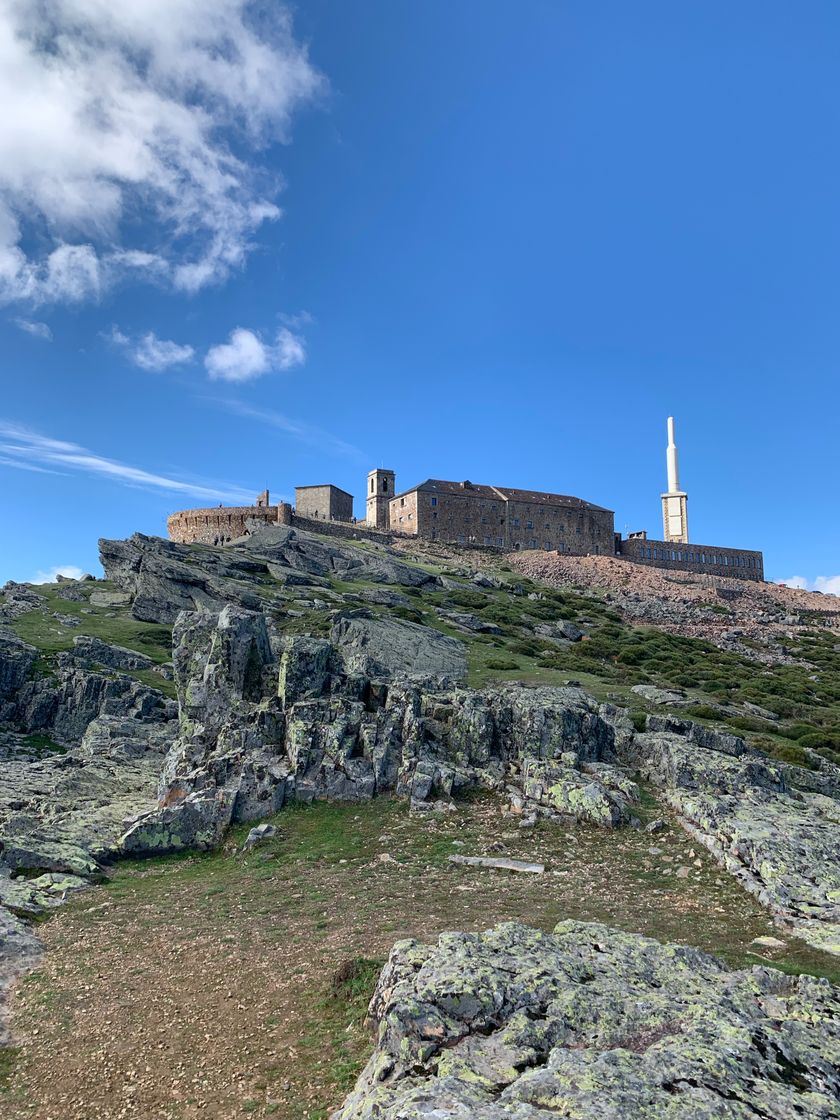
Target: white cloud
column 27, row 450
column 150, row 352
column 245, row 356
column 33, row 327
column 828, row 585
column 51, row 574
column 117, row 139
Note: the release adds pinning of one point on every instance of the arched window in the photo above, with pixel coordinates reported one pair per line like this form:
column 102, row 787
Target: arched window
column 384, row 485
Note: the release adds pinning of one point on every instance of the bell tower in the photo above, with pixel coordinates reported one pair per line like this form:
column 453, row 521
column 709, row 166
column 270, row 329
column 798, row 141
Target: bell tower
column 380, row 491
column 675, row 501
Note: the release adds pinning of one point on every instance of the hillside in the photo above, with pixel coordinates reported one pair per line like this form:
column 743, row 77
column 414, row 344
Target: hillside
column 666, row 749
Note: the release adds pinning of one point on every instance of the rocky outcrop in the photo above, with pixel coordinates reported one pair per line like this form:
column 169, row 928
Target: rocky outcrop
column 389, row 647
column 163, row 578
column 255, row 731
column 65, row 813
column 588, row 1023
column 17, row 660
column 93, row 651
column 780, row 841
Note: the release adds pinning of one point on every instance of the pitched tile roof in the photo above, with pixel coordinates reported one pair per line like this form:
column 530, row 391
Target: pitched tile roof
column 504, row 493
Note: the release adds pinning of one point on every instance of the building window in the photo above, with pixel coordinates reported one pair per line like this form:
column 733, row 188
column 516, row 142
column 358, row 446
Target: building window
column 384, row 485
column 529, row 524
column 434, row 501
column 515, row 523
column 488, row 541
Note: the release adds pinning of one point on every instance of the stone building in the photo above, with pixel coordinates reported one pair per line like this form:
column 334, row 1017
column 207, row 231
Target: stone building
column 501, row 517
column 705, row 559
column 323, row 503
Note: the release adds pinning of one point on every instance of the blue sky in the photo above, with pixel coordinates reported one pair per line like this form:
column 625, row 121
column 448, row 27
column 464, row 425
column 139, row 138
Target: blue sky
column 486, row 240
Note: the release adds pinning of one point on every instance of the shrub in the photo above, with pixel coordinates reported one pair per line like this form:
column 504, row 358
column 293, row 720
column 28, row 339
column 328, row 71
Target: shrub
column 703, row 711
column 639, row 720
column 502, row 663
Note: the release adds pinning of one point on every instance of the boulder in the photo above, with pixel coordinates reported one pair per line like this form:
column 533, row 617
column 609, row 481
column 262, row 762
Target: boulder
column 589, row 1022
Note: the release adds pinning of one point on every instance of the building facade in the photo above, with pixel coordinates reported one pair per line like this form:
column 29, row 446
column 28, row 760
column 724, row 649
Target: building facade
column 704, row 559
column 502, row 517
column 323, row 503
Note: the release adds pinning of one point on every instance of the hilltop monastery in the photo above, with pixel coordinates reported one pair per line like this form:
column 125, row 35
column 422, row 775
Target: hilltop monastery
column 480, row 516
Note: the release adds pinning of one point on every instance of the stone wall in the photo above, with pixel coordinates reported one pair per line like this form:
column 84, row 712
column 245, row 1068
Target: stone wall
column 221, row 524
column 217, row 524
column 734, row 563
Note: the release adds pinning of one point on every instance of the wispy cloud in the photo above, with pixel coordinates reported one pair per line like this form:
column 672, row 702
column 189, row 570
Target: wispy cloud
column 24, row 449
column 305, row 433
column 150, row 352
column 33, row 327
column 245, row 356
column 50, row 575
column 158, row 110
column 828, row 585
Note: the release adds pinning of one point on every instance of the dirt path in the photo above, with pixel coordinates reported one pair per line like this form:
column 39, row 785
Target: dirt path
column 205, row 987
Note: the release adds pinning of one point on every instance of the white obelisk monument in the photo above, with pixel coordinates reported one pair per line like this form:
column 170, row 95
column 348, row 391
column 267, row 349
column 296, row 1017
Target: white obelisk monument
column 675, row 501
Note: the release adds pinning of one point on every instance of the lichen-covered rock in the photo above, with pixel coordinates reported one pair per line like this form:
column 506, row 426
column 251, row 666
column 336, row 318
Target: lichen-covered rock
column 34, row 896
column 598, row 794
column 590, row 1023
column 784, row 849
column 315, row 727
column 64, row 813
column 304, row 669
column 781, row 842
column 392, row 647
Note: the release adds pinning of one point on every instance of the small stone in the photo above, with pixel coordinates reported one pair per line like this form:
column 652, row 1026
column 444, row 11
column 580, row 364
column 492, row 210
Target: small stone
column 683, row 872
column 768, row 942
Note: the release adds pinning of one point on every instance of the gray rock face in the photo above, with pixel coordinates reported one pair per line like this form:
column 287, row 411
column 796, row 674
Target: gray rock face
column 781, row 842
column 327, row 730
column 590, row 1023
column 93, row 651
column 17, row 659
column 391, row 647
column 162, row 578
column 65, row 813
column 19, row 953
